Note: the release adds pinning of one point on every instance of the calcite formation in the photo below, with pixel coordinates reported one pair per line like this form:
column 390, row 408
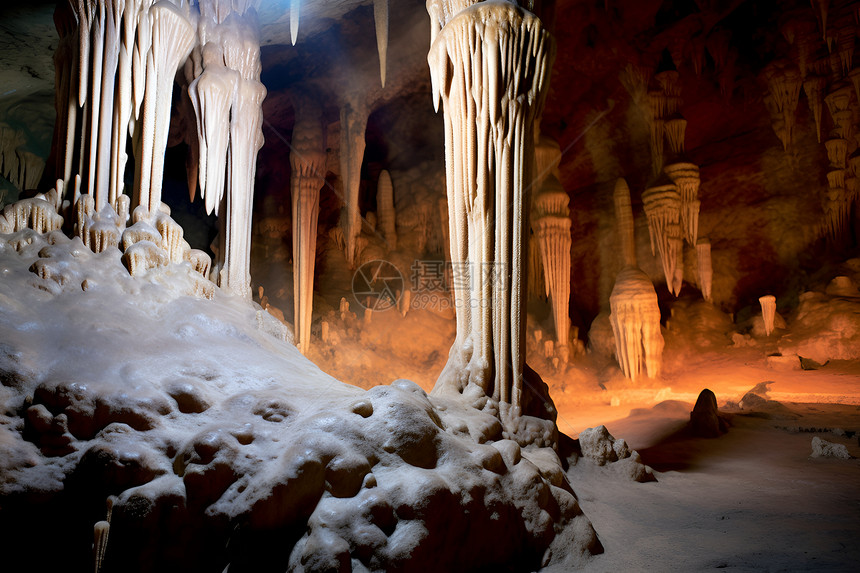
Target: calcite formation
column 768, row 310
column 551, row 222
column 635, row 314
column 307, row 163
column 662, row 204
column 705, row 268
column 385, row 209
column 489, row 66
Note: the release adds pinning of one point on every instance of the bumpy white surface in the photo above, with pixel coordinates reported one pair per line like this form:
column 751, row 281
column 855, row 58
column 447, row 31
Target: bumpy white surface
column 181, row 407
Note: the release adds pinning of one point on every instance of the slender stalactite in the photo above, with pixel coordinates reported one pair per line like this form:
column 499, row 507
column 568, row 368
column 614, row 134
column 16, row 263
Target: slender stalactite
column 307, row 163
column 489, row 65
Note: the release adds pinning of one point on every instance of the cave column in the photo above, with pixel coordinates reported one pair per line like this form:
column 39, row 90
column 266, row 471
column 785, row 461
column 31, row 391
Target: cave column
column 489, row 65
column 228, row 96
column 307, row 162
column 353, row 123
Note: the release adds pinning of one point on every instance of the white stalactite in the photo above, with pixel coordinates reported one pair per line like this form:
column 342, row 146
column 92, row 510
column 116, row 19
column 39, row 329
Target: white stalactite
column 227, row 97
column 385, row 209
column 380, row 19
column 307, row 162
column 663, row 208
column 635, row 314
column 295, row 15
column 768, row 310
column 353, row 122
column 705, row 268
column 489, row 64
column 173, row 37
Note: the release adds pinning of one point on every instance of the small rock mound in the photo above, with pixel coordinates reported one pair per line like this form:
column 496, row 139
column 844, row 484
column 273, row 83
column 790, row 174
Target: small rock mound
column 705, row 420
column 824, row 449
column 599, row 446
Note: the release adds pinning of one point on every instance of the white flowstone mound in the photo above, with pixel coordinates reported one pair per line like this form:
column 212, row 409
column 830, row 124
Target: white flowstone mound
column 600, row 447
column 824, row 449
column 216, row 444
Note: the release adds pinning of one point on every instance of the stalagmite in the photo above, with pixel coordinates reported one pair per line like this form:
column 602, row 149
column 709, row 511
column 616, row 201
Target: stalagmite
column 173, row 37
column 635, row 314
column 307, row 163
column 489, row 65
column 385, row 209
column 663, row 208
column 685, row 176
column 705, row 268
column 768, row 310
column 380, row 19
column 353, row 122
column 814, row 89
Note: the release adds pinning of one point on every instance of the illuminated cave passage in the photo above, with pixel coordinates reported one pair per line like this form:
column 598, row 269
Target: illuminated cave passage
column 443, row 285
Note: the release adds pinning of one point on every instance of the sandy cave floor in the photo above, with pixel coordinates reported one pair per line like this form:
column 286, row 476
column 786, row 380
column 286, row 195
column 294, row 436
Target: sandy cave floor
column 750, row 500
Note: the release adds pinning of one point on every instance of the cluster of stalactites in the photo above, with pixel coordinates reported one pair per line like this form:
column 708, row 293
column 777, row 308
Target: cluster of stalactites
column 783, row 82
column 115, row 65
column 660, row 108
column 685, row 176
column 307, row 163
column 662, row 204
column 841, row 176
column 823, row 39
column 227, row 96
column 635, row 314
column 489, row 66
column 39, row 213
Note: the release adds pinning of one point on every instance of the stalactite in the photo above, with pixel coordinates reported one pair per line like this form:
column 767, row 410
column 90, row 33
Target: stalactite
column 380, row 18
column 784, row 83
column 845, row 48
column 353, row 122
column 685, row 176
column 385, row 209
column 635, row 314
column 814, row 89
column 173, row 37
column 675, row 128
column 822, row 6
column 490, row 66
column 211, row 94
column 705, row 268
column 307, row 164
column 229, row 87
column 635, row 79
column 663, row 208
column 295, row 15
column 717, row 44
